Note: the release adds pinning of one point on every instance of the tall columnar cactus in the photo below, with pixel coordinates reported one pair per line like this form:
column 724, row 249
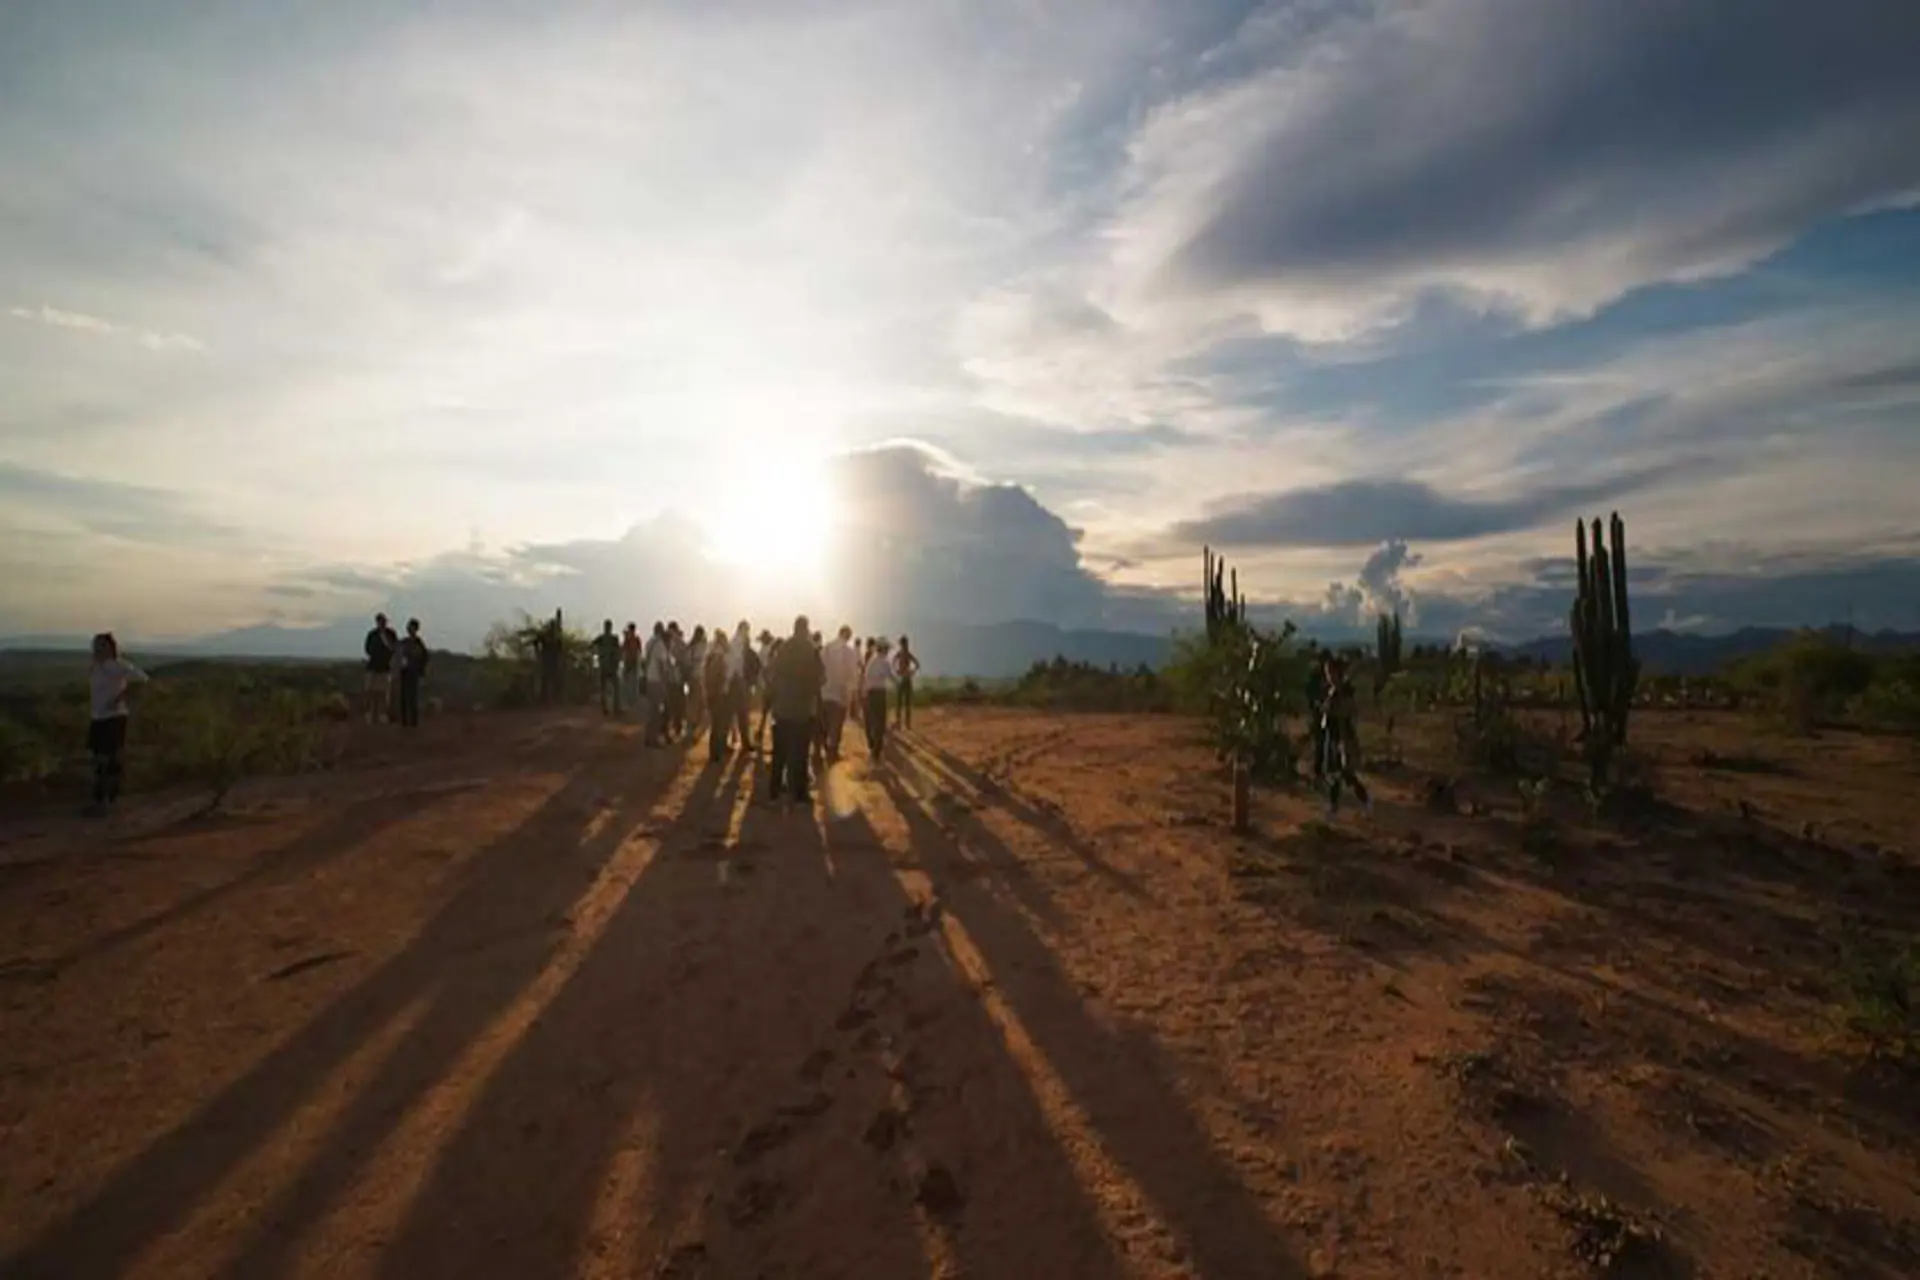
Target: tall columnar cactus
column 1386, row 645
column 1604, row 668
column 1226, row 607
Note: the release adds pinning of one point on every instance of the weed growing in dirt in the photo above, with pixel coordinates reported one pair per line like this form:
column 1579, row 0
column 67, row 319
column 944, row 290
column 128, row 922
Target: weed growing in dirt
column 1883, row 1000
column 1606, row 1236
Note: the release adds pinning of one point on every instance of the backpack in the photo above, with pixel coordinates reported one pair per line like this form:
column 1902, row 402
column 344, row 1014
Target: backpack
column 750, row 665
column 716, row 673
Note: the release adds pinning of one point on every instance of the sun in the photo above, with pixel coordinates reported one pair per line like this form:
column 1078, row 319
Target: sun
column 773, row 511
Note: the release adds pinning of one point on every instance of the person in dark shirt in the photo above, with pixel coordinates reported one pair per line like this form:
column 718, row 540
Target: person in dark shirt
column 381, row 646
column 413, row 657
column 794, row 678
column 1340, row 738
column 606, row 653
column 1316, row 713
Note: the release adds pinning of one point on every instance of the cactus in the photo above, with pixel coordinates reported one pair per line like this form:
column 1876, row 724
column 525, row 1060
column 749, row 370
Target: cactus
column 1226, row 607
column 1604, row 668
column 1386, row 649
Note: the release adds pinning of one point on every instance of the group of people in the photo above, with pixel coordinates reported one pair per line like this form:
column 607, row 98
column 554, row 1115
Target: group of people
column 395, row 663
column 808, row 687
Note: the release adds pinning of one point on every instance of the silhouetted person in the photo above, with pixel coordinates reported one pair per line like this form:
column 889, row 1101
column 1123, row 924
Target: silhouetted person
column 793, row 693
column 1317, row 681
column 381, row 646
column 606, row 656
column 1341, row 738
column 717, row 680
column 769, row 650
column 743, row 677
column 109, row 677
column 659, row 668
column 413, row 658
column 842, row 664
column 905, row 667
column 696, row 682
column 630, row 680
column 879, row 672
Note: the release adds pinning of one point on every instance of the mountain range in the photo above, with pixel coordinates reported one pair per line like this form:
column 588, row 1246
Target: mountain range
column 998, row 650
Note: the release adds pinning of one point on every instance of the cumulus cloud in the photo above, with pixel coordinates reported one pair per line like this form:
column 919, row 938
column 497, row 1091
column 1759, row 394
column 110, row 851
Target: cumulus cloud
column 1547, row 157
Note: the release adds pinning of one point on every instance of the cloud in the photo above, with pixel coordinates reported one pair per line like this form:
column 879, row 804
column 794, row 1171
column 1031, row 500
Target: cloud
column 125, row 512
column 1360, row 512
column 1546, row 157
column 54, row 318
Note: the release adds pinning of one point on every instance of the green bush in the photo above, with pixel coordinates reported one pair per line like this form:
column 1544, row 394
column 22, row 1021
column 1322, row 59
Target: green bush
column 1808, row 679
column 1245, row 682
column 213, row 732
column 25, row 754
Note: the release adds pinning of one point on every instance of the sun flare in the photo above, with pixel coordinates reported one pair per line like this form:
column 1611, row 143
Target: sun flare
column 775, row 511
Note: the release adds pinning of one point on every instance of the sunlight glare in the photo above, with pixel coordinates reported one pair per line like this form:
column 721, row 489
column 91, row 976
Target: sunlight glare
column 774, row 510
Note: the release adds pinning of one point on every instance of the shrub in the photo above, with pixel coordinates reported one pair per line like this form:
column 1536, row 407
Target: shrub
column 1245, row 681
column 214, row 732
column 1808, row 679
column 1883, row 999
column 25, row 754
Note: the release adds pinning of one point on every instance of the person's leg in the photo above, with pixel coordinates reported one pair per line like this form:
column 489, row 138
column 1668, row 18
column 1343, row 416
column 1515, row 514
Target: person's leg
column 718, row 722
column 108, row 739
column 906, row 704
column 1350, row 763
column 777, row 770
column 876, row 722
column 409, row 697
column 807, row 733
column 740, row 698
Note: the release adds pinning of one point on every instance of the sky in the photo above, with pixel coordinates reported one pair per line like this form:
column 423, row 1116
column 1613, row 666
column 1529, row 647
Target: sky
column 975, row 309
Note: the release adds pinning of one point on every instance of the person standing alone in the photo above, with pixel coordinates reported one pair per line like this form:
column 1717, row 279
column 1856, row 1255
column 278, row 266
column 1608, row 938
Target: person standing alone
column 413, row 656
column 381, row 646
column 110, row 676
column 905, row 667
column 793, row 696
column 606, row 654
column 879, row 671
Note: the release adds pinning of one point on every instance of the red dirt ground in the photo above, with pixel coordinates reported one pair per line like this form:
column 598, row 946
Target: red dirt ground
column 1014, row 1004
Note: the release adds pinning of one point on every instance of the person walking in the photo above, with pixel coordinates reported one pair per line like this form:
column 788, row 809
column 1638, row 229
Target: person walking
column 1341, row 738
column 743, row 674
column 842, row 663
column 109, row 678
column 606, row 655
column 413, row 658
column 630, row 681
column 879, row 672
column 769, row 649
column 1317, row 713
column 905, row 667
column 381, row 645
column 677, row 682
column 696, row 682
column 658, row 665
column 794, row 678
column 718, row 680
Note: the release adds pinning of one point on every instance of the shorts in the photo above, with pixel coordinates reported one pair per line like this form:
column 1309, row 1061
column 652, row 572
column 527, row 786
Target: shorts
column 379, row 681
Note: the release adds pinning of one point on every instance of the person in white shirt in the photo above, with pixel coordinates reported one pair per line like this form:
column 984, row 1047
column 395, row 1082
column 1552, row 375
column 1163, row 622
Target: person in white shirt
column 110, row 677
column 879, row 671
column 661, row 671
column 842, row 662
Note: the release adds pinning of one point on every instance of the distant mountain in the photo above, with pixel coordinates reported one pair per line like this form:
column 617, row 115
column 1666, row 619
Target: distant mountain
column 1686, row 654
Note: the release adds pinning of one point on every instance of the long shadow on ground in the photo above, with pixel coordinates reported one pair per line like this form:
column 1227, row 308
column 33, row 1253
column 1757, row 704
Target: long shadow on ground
column 1120, row 1080
column 706, row 1091
column 468, row 963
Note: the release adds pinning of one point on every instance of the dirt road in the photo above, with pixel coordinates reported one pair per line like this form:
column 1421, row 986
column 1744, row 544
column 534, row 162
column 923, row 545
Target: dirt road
column 1010, row 1005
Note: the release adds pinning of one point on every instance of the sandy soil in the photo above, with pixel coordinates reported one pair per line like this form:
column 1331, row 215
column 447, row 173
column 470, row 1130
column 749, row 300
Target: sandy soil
column 1013, row 1004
